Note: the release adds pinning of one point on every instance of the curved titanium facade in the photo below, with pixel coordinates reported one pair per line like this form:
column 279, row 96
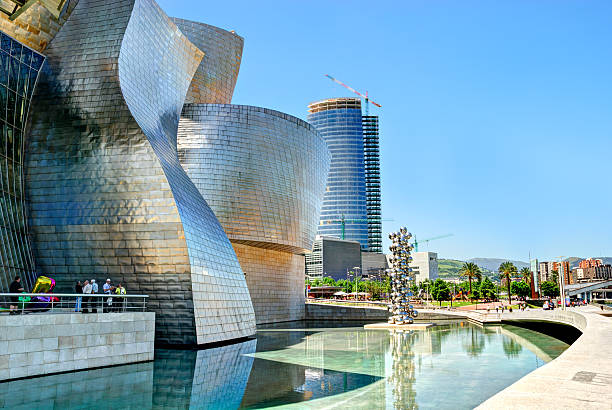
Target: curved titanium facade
column 339, row 122
column 263, row 173
column 38, row 23
column 19, row 68
column 215, row 78
column 108, row 196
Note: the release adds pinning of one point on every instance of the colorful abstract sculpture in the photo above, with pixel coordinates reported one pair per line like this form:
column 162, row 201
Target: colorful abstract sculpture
column 42, row 303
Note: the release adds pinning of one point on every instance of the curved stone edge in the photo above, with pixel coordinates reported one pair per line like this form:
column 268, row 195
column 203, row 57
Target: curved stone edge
column 215, row 79
column 564, row 382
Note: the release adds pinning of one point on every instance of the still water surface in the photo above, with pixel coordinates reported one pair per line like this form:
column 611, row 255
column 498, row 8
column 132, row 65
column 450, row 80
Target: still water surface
column 301, row 365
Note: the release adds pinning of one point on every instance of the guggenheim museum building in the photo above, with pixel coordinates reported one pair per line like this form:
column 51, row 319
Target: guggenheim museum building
column 123, row 158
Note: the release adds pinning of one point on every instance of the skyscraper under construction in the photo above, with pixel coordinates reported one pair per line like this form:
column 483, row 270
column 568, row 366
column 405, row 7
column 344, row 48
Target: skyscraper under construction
column 352, row 204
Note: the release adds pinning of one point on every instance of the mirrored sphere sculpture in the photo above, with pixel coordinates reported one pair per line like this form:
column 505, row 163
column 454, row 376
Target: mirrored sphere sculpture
column 402, row 278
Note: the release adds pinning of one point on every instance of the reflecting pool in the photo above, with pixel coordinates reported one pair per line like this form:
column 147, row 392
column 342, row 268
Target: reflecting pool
column 305, row 365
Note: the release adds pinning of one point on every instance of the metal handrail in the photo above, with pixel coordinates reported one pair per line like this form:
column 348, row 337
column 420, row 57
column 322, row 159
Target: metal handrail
column 75, row 302
column 101, row 295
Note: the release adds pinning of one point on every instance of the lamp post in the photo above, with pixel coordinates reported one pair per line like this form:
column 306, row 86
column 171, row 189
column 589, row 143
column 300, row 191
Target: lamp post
column 355, row 269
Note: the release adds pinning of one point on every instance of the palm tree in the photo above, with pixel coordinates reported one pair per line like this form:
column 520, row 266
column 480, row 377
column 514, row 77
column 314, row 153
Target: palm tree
column 525, row 273
column 471, row 271
column 506, row 270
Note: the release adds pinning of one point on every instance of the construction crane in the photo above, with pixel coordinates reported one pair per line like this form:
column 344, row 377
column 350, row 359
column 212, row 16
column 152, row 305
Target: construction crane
column 343, row 221
column 416, row 243
column 367, row 99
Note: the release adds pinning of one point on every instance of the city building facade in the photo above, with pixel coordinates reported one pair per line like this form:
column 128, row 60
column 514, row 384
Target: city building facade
column 535, row 274
column 374, row 265
column 589, row 263
column 424, row 266
column 335, row 258
column 263, row 173
column 352, row 203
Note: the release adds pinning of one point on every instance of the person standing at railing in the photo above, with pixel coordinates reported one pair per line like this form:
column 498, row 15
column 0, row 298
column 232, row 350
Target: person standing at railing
column 120, row 290
column 78, row 289
column 93, row 302
column 15, row 287
column 107, row 288
column 87, row 289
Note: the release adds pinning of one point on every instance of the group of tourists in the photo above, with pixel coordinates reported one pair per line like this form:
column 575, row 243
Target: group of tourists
column 88, row 303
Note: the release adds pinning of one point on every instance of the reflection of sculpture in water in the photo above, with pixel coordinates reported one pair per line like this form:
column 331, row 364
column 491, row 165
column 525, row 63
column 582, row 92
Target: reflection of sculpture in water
column 402, row 376
column 401, row 278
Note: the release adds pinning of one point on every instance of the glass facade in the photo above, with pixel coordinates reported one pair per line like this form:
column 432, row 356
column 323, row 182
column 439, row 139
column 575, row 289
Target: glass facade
column 345, row 213
column 372, row 179
column 18, row 74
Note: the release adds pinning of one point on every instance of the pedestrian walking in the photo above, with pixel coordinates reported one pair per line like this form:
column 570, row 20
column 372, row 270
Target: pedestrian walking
column 15, row 287
column 78, row 289
column 87, row 289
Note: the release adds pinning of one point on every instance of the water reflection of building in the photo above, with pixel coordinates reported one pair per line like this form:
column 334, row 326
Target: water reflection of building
column 209, row 379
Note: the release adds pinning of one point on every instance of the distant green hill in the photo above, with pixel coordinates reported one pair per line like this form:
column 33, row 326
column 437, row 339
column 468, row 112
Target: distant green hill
column 449, row 268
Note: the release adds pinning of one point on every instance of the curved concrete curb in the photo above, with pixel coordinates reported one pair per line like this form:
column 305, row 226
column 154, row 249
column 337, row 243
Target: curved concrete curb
column 580, row 378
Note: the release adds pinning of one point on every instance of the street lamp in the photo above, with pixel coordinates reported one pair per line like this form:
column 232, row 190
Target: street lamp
column 355, row 268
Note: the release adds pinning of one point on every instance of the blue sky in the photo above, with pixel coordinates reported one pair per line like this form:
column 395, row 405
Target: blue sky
column 495, row 118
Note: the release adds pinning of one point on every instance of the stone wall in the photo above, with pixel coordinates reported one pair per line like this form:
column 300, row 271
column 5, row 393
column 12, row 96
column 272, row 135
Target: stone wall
column 34, row 345
column 337, row 312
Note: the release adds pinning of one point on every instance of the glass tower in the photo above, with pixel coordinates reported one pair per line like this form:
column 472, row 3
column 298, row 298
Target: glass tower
column 19, row 67
column 344, row 213
column 372, row 179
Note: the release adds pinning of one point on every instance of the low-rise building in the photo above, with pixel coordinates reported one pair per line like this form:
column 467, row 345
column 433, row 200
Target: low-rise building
column 333, row 257
column 374, row 265
column 424, row 266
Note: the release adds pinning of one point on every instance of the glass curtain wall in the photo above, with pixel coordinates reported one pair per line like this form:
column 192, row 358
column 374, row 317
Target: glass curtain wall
column 344, row 210
column 372, row 178
column 18, row 74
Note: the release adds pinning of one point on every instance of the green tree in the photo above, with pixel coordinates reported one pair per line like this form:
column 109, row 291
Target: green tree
column 525, row 274
column 470, row 271
column 549, row 288
column 554, row 276
column 520, row 289
column 487, row 289
column 440, row 290
column 506, row 270
column 328, row 281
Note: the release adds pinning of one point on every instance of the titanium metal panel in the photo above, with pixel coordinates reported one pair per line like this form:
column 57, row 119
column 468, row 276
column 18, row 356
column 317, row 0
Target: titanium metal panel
column 215, row 78
column 19, row 68
column 263, row 173
column 108, row 196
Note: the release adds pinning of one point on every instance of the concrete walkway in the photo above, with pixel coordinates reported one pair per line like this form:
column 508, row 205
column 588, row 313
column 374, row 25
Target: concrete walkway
column 581, row 378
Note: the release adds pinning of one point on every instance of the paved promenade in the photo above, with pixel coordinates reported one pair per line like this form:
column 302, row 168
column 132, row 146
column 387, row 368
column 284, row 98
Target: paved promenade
column 581, row 378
